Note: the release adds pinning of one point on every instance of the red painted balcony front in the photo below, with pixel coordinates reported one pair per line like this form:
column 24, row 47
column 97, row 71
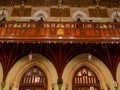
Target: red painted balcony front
column 91, row 32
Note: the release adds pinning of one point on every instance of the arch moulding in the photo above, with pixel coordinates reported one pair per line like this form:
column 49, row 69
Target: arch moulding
column 41, row 12
column 1, row 75
column 84, row 15
column 24, row 64
column 99, row 68
column 118, row 76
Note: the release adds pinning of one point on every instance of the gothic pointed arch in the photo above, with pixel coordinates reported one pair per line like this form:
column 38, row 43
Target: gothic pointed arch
column 116, row 16
column 3, row 13
column 85, row 78
column 1, row 75
column 118, row 75
column 78, row 14
column 41, row 14
column 33, row 78
column 96, row 65
column 24, row 64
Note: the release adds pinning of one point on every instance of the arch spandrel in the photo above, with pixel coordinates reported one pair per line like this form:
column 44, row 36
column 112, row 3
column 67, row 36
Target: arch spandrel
column 1, row 73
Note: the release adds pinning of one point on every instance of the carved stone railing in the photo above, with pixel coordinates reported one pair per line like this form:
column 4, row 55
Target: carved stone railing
column 93, row 32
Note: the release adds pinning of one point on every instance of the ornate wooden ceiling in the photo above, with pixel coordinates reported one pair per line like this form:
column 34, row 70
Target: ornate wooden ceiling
column 55, row 2
column 18, row 42
column 59, row 54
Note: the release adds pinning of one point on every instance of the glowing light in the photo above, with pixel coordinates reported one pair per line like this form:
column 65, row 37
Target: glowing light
column 30, row 56
column 89, row 57
column 115, row 84
column 60, row 37
column 60, row 31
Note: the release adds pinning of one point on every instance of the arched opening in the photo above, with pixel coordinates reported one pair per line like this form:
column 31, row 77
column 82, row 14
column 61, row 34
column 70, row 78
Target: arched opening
column 33, row 79
column 79, row 14
column 85, row 79
column 16, row 73
column 3, row 14
column 97, row 66
column 40, row 14
column 116, row 16
column 1, row 75
column 118, row 76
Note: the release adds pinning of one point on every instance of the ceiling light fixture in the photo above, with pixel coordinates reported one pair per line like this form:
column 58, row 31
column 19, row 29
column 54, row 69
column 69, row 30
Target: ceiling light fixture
column 30, row 56
column 89, row 57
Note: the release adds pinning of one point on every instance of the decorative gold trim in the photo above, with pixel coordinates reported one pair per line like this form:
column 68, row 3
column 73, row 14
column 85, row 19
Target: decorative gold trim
column 60, row 31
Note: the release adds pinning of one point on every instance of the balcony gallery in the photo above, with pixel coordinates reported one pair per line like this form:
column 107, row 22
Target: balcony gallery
column 32, row 31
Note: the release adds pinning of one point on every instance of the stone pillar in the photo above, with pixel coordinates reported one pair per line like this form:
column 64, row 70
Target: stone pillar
column 59, row 82
column 65, row 86
column 115, row 84
column 59, row 86
column 54, row 86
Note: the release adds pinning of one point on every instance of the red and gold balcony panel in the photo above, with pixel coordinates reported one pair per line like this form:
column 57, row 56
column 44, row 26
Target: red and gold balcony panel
column 83, row 32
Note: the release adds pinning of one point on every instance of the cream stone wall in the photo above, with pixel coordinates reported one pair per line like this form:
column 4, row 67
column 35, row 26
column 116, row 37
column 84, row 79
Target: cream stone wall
column 118, row 76
column 73, row 10
column 100, row 69
column 20, row 67
column 1, row 74
column 17, row 71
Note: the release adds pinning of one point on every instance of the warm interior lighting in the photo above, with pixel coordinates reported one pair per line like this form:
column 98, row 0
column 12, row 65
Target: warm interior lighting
column 97, row 2
column 30, row 56
column 60, row 37
column 92, row 88
column 115, row 84
column 89, row 57
column 60, row 31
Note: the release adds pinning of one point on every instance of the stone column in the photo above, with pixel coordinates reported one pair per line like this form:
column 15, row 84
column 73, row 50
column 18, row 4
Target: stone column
column 65, row 86
column 54, row 86
column 59, row 86
column 115, row 84
column 59, row 82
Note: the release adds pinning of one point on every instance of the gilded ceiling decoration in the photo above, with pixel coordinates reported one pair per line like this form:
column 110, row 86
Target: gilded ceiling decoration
column 98, row 12
column 55, row 12
column 21, row 11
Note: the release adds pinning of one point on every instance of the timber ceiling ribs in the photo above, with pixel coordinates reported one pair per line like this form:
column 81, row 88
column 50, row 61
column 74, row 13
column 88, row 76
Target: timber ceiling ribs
column 72, row 3
column 59, row 54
